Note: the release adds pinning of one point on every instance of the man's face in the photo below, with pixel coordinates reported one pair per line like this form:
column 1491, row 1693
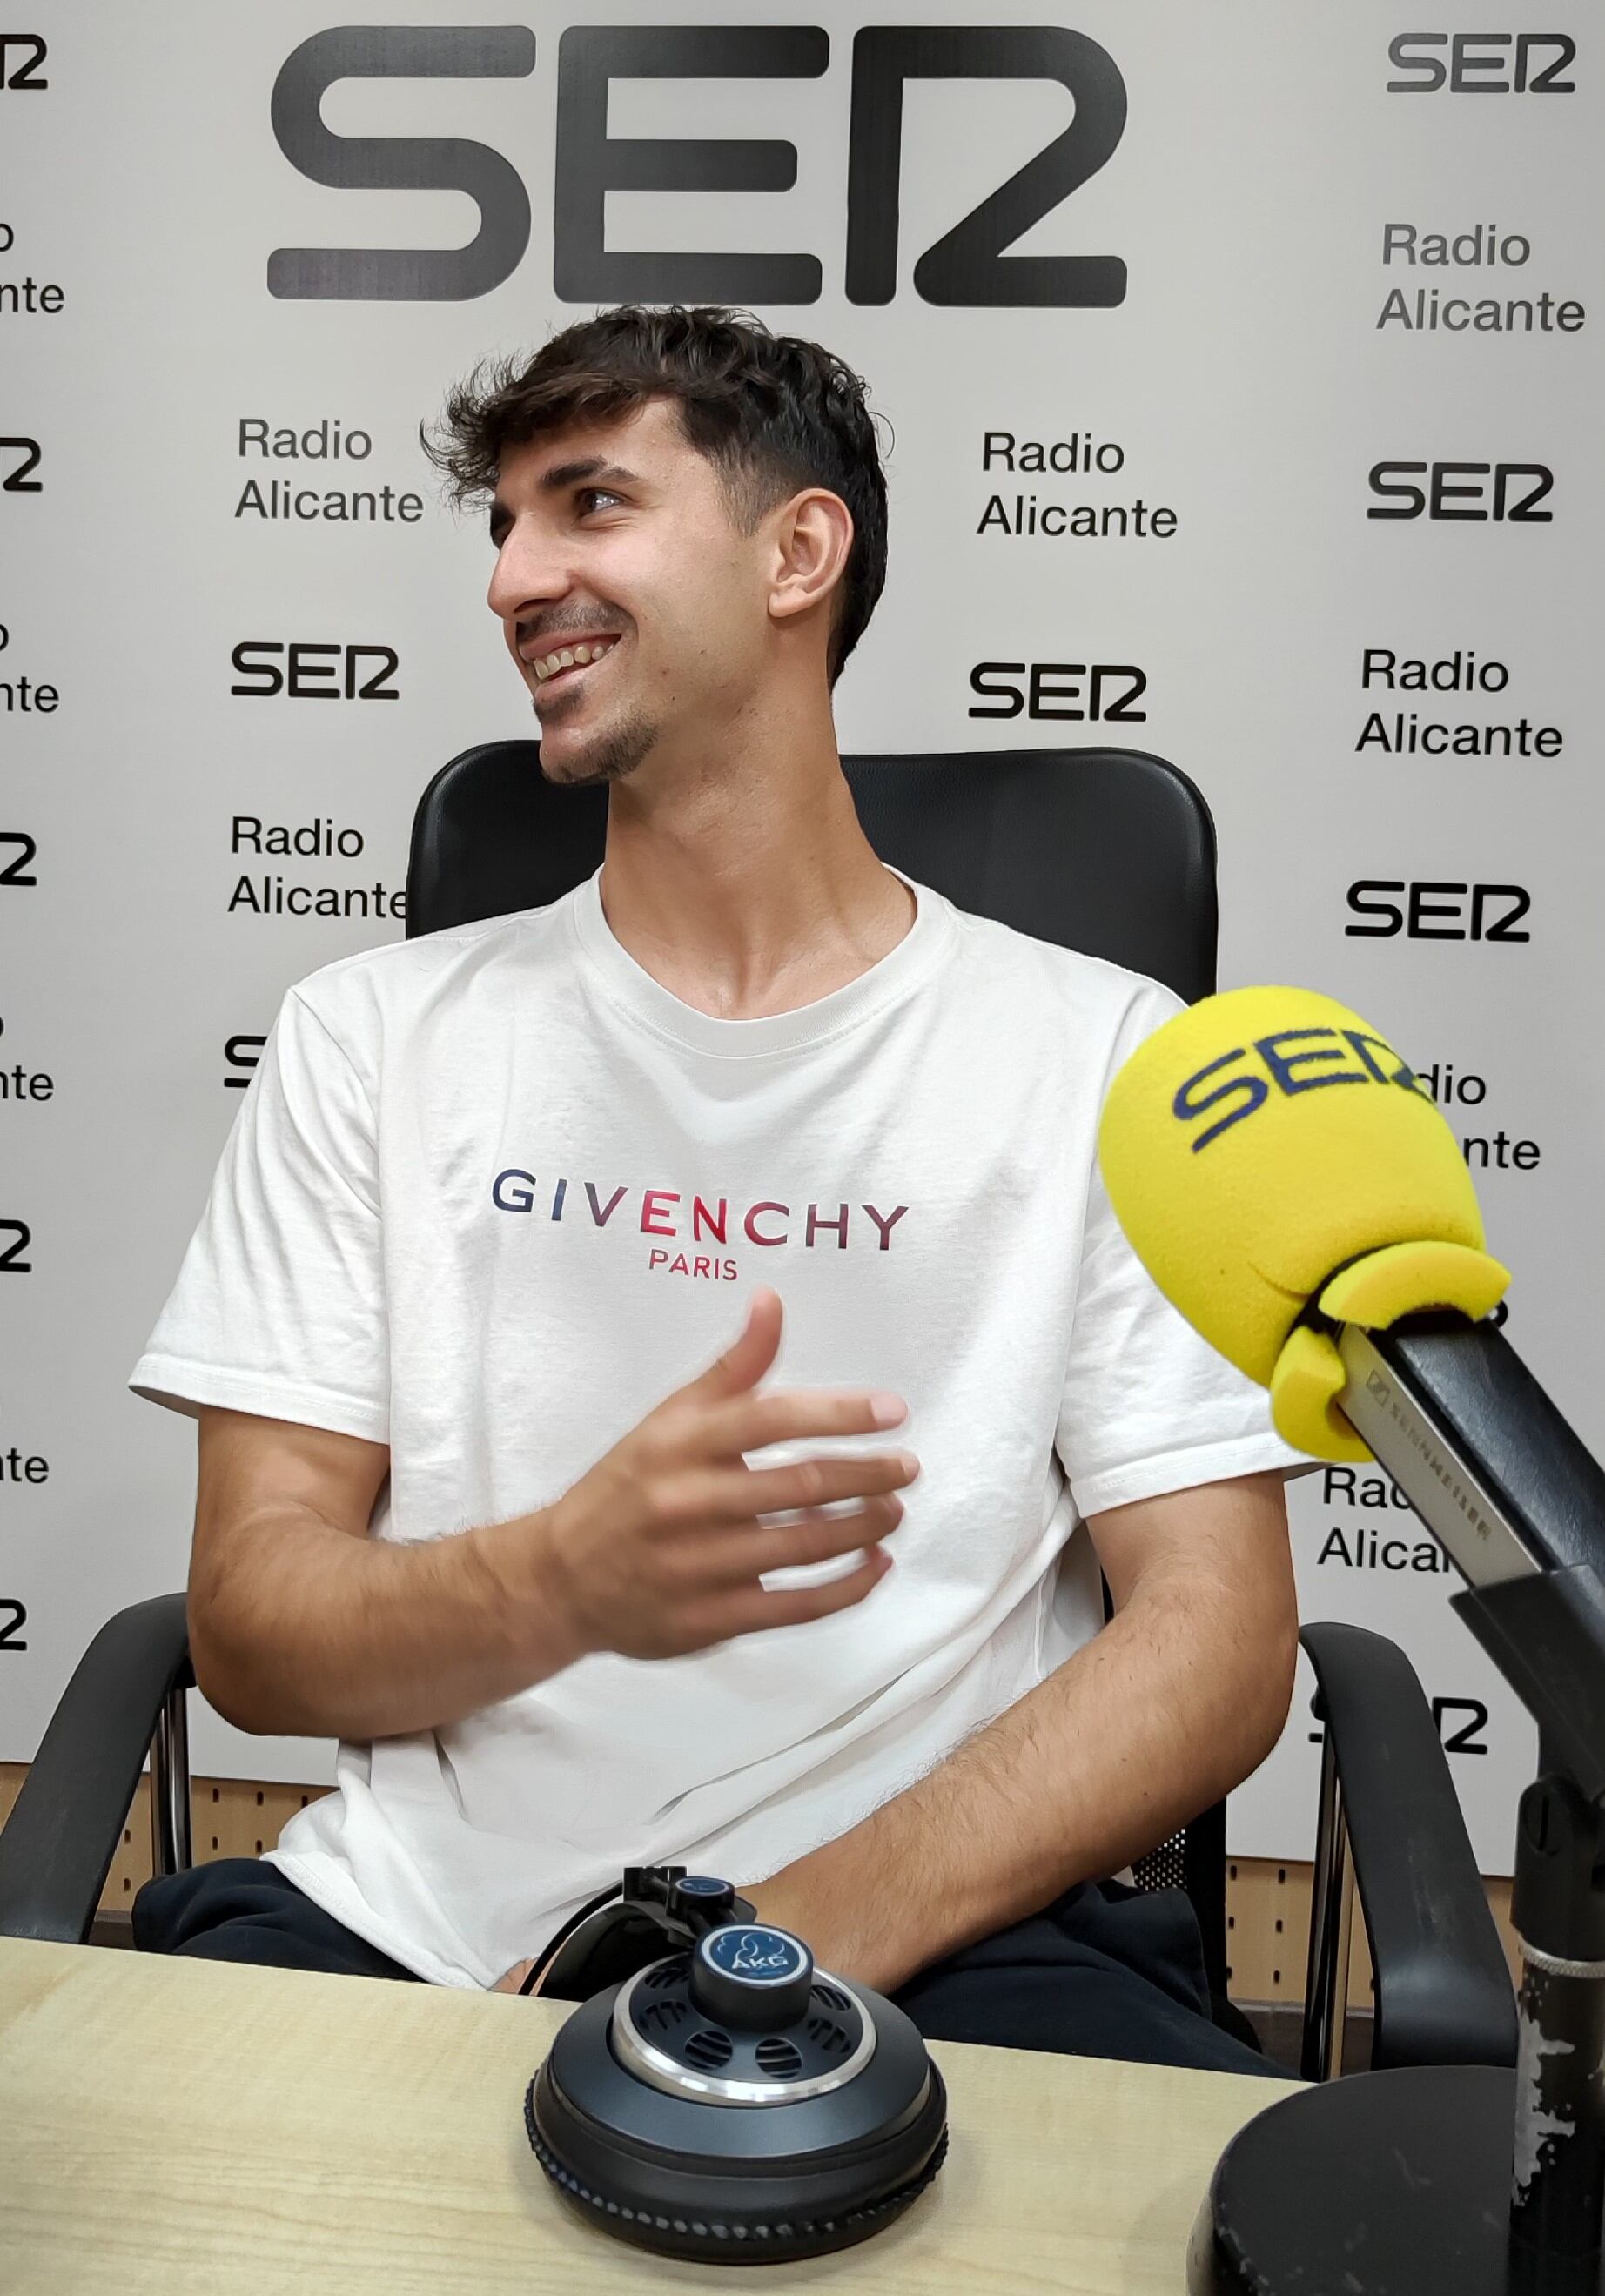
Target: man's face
column 617, row 535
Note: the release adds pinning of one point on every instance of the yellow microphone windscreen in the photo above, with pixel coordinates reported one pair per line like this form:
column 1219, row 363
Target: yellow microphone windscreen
column 1262, row 1140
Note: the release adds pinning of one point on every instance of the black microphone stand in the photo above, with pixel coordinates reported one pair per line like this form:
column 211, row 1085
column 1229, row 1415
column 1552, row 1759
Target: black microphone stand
column 1465, row 2180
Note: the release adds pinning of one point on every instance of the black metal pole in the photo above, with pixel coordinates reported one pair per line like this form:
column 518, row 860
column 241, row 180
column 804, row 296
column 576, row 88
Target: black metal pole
column 1558, row 1911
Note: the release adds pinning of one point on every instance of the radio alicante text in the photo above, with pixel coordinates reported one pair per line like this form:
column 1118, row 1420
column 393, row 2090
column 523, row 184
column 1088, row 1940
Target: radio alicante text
column 270, row 896
column 334, row 506
column 1424, row 311
column 1402, row 735
column 17, row 297
column 1080, row 453
column 325, row 441
column 1023, row 515
column 1428, row 309
column 1448, row 1085
column 18, row 1083
column 16, row 693
column 248, row 834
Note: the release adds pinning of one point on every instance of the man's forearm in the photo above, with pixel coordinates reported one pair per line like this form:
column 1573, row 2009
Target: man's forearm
column 321, row 1634
column 1134, row 1735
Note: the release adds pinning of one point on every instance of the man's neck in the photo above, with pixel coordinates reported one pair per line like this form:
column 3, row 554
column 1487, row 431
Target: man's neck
column 742, row 917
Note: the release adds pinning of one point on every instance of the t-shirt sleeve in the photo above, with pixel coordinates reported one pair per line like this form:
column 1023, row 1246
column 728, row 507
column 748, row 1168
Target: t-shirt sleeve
column 279, row 1306
column 1148, row 1405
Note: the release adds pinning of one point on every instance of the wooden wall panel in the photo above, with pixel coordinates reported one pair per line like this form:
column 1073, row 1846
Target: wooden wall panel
column 1267, row 1903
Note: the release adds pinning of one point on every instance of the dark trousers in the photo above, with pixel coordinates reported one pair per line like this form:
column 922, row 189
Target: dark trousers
column 1103, row 1971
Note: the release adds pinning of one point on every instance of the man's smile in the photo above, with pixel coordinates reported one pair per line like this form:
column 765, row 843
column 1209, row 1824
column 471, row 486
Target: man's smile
column 565, row 664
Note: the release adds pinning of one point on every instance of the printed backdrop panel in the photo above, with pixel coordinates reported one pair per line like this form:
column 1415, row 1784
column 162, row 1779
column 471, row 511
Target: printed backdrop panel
column 1254, row 423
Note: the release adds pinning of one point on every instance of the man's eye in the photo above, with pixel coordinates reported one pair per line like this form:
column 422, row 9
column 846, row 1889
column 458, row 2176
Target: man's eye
column 589, row 494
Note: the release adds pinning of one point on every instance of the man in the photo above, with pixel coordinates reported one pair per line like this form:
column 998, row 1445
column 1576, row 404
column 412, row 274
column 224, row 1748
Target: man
column 456, row 1323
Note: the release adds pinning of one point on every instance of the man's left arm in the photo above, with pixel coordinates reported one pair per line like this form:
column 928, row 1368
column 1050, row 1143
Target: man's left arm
column 1174, row 1702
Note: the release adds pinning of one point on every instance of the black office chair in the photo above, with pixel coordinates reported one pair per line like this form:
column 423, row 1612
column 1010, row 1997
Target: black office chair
column 1107, row 851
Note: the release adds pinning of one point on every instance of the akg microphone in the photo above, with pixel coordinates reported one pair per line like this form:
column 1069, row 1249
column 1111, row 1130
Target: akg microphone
column 1291, row 1187
column 722, row 2099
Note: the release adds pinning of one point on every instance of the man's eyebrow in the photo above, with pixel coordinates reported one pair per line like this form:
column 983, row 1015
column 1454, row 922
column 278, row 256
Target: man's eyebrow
column 567, row 474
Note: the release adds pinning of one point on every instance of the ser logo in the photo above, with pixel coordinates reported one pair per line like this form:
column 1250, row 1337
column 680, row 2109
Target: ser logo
column 1482, row 63
column 1290, row 1071
column 1458, row 1738
column 17, row 480
column 18, row 74
column 966, row 267
column 243, row 1053
column 1422, row 917
column 1105, row 694
column 306, row 677
column 1509, row 502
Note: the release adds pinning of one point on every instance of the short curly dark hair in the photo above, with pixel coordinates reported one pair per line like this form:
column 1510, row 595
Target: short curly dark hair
column 773, row 413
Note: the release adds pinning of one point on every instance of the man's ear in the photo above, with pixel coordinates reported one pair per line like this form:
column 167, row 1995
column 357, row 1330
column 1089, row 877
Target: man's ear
column 812, row 541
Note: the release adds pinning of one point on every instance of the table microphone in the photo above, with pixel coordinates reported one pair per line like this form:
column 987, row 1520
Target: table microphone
column 721, row 2098
column 1293, row 1190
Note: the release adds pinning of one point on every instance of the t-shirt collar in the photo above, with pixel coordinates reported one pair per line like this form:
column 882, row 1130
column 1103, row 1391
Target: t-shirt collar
column 629, row 985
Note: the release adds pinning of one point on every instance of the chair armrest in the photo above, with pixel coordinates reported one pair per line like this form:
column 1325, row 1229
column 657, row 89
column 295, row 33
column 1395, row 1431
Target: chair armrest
column 58, row 1844
column 1444, row 1994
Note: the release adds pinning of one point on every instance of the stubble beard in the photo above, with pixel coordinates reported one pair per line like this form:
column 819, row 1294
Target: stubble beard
column 612, row 756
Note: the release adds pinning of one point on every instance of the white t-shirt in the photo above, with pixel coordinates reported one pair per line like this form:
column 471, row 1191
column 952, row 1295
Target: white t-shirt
column 494, row 1192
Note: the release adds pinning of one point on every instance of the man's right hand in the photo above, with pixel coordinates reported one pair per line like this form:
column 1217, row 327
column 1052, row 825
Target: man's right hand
column 658, row 1550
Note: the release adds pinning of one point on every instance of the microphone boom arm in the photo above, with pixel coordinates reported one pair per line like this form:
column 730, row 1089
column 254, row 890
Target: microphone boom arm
column 1517, row 1503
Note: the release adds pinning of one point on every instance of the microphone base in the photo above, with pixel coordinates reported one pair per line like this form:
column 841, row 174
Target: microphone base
column 1380, row 2183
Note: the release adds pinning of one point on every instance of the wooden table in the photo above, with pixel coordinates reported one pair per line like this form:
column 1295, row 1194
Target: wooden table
column 172, row 2125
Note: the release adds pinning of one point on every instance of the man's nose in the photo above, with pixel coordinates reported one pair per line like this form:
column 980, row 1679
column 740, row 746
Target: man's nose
column 526, row 574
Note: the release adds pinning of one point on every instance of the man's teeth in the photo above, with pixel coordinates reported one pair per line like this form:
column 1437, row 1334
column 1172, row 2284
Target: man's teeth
column 571, row 657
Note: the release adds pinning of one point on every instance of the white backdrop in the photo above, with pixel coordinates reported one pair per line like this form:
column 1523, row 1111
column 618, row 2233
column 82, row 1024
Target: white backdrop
column 166, row 302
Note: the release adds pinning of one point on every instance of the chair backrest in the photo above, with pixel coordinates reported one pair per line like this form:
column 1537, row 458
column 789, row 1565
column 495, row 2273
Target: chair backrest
column 1107, row 851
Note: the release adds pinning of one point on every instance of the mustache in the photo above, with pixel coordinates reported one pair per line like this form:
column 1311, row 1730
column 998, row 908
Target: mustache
column 567, row 620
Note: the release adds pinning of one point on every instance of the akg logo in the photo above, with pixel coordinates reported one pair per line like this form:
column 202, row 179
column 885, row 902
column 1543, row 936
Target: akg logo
column 757, row 1950
column 306, row 677
column 1444, row 498
column 1250, row 1090
column 966, row 267
column 1482, row 63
